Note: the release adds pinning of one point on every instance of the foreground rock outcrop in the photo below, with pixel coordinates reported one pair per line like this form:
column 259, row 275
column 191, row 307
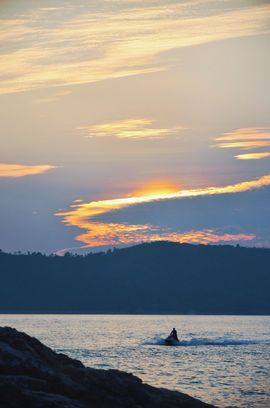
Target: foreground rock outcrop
column 34, row 376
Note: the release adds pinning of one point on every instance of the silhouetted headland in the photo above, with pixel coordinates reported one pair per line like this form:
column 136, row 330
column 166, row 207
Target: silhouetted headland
column 160, row 277
column 33, row 375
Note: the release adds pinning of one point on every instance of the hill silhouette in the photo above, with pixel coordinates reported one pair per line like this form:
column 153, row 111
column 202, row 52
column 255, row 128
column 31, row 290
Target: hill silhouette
column 159, row 277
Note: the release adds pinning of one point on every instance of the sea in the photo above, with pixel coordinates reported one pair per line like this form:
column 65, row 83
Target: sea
column 223, row 360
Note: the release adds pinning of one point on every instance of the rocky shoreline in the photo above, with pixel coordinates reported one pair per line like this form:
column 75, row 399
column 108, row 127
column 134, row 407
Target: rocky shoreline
column 34, row 376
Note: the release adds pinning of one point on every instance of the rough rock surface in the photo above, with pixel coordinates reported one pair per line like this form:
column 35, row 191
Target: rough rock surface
column 34, row 376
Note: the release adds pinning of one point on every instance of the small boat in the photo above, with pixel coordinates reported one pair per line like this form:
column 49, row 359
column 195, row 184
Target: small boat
column 171, row 341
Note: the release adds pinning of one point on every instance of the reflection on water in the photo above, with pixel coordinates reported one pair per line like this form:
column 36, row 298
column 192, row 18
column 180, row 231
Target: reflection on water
column 223, row 360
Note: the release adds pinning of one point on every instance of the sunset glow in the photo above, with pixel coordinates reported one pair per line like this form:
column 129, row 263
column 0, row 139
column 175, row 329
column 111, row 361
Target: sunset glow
column 156, row 188
column 135, row 180
column 136, row 120
column 100, row 233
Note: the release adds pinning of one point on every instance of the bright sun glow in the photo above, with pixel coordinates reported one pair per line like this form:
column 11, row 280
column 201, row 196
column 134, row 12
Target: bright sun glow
column 156, row 187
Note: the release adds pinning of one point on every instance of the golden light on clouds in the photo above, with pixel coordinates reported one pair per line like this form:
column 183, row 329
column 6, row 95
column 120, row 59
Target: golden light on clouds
column 250, row 144
column 102, row 234
column 247, row 134
column 252, row 156
column 111, row 42
column 208, row 236
column 246, row 139
column 156, row 187
column 142, row 233
column 139, row 128
column 194, row 67
column 21, row 170
column 99, row 232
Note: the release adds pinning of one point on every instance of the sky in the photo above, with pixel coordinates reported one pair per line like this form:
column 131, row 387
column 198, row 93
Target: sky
column 128, row 121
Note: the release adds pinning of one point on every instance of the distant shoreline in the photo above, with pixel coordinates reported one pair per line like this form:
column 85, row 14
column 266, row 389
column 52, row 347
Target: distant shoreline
column 158, row 278
column 126, row 314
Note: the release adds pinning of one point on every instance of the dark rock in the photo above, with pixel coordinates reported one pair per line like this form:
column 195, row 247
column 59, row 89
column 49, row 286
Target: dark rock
column 34, row 376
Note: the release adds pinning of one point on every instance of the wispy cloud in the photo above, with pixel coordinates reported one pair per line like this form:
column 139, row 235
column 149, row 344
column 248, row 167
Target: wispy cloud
column 247, row 144
column 21, row 170
column 252, row 156
column 246, row 139
column 139, row 128
column 98, row 233
column 246, row 134
column 89, row 45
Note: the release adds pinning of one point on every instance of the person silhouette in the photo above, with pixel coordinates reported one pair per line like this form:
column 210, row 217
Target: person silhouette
column 174, row 334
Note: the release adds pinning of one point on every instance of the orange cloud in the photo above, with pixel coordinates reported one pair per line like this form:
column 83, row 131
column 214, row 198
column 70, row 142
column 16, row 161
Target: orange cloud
column 98, row 233
column 20, row 170
column 156, row 187
column 138, row 128
column 208, row 236
column 136, row 234
column 246, row 134
column 245, row 138
column 101, row 234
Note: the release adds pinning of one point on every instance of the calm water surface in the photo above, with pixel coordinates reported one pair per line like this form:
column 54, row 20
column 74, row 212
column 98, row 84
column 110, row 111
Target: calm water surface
column 223, row 360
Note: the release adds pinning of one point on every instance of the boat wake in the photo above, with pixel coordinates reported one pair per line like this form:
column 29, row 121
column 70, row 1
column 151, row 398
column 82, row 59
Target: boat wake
column 199, row 341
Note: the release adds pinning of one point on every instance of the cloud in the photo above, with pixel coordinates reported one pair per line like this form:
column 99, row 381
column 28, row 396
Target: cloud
column 139, row 128
column 122, row 234
column 136, row 235
column 88, row 217
column 252, row 156
column 209, row 236
column 93, row 43
column 250, row 144
column 246, row 139
column 246, row 134
column 21, row 170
